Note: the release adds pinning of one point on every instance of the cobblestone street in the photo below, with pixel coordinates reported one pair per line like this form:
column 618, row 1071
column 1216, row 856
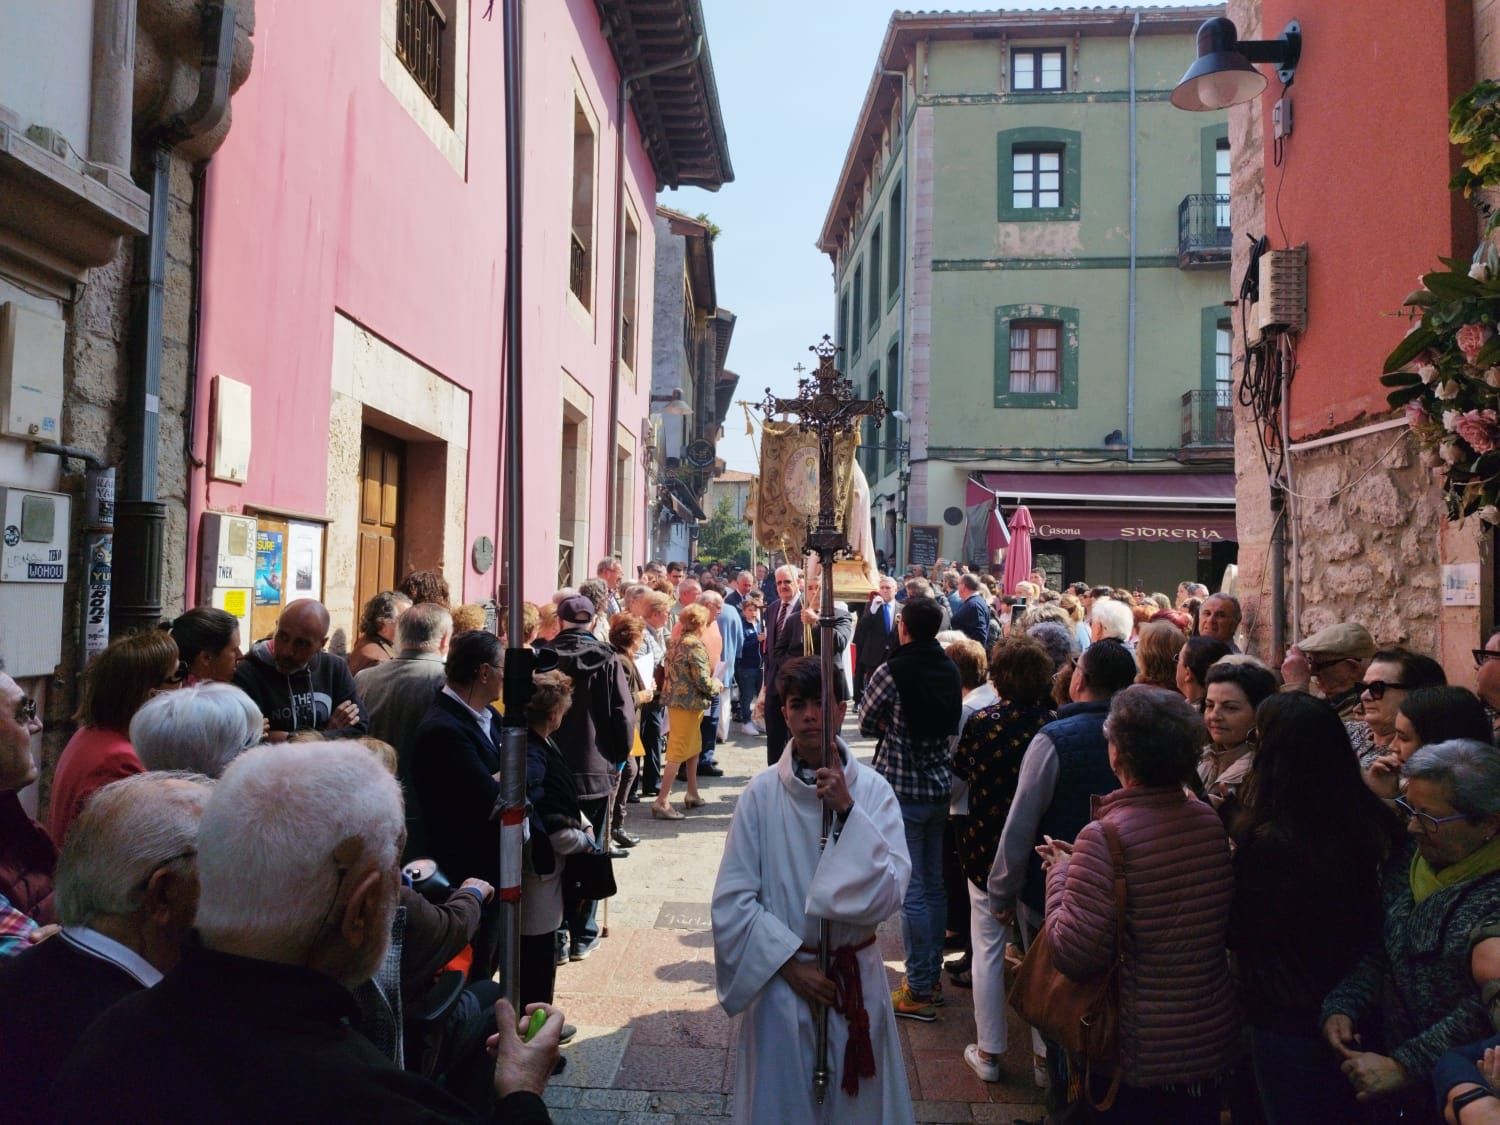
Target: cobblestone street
column 653, row 1043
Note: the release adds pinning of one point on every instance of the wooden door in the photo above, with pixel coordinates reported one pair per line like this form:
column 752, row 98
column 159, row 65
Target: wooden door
column 382, row 464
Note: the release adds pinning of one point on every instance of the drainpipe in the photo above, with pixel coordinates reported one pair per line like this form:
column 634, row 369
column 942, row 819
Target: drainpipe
column 622, row 98
column 906, row 211
column 196, row 465
column 140, row 518
column 1131, row 298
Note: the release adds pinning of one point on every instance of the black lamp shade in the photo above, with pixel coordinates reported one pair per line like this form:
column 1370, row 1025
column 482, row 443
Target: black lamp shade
column 1221, row 75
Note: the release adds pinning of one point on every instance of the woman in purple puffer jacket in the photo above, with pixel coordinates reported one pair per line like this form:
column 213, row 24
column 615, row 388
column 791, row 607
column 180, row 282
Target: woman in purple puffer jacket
column 1178, row 1026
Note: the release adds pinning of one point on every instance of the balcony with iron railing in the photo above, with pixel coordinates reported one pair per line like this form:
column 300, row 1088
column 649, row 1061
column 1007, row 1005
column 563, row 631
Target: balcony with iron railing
column 578, row 270
column 1207, row 421
column 1204, row 239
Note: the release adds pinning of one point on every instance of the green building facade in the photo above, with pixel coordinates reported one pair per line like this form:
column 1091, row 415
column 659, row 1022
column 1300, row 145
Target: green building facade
column 989, row 284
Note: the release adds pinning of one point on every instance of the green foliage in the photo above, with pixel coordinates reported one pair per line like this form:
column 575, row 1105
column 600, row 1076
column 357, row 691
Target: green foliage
column 1474, row 125
column 713, row 227
column 724, row 538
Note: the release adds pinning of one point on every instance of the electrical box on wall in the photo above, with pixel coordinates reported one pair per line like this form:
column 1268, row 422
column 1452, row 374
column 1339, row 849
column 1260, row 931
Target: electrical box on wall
column 33, row 571
column 226, row 568
column 31, row 373
column 230, row 459
column 1283, row 290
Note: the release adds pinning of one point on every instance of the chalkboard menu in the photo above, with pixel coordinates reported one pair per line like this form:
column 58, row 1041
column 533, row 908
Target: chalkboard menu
column 922, row 548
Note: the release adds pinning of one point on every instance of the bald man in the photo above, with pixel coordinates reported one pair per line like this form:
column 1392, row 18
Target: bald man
column 297, row 685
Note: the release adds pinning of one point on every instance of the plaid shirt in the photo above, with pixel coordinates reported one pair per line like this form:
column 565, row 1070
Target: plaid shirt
column 15, row 929
column 917, row 768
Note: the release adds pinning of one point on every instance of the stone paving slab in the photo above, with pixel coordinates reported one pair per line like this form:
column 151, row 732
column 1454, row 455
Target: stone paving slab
column 653, row 1044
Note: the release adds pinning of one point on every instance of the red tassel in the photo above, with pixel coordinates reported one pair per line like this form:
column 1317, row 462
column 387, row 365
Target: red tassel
column 859, row 1052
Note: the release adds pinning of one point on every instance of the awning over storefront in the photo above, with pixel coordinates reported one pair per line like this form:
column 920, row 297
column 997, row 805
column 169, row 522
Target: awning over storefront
column 1105, row 505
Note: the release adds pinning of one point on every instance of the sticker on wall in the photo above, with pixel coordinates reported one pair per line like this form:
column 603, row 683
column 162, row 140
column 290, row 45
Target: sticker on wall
column 1461, row 584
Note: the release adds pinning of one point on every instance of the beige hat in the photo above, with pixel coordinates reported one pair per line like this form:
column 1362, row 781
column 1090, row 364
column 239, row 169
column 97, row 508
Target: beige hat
column 1340, row 642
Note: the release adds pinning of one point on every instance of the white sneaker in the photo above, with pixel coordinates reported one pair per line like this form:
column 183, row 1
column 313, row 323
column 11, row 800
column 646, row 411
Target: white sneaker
column 987, row 1071
column 750, row 730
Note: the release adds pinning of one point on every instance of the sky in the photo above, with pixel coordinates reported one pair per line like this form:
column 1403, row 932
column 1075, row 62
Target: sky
column 792, row 76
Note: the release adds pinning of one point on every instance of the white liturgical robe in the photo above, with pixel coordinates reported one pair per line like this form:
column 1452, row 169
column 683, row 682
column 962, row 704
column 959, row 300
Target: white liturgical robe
column 772, row 889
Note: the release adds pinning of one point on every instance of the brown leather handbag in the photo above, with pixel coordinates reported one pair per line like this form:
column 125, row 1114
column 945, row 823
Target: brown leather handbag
column 1081, row 1016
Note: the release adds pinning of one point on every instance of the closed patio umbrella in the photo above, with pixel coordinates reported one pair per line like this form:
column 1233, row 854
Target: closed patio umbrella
column 1018, row 557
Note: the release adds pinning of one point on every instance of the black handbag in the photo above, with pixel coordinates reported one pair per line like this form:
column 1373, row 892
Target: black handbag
column 588, row 877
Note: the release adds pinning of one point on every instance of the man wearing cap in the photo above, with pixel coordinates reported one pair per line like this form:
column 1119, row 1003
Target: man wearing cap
column 1337, row 658
column 595, row 736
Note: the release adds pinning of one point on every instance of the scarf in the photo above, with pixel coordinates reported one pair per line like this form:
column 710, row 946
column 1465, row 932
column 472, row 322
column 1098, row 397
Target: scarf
column 1426, row 882
column 929, row 688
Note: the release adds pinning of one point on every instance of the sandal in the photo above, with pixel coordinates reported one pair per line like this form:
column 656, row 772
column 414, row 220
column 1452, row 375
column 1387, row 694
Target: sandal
column 665, row 812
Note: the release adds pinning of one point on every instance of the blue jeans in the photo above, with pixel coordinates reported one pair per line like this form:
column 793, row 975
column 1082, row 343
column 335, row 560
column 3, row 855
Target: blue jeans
column 925, row 909
column 1298, row 1079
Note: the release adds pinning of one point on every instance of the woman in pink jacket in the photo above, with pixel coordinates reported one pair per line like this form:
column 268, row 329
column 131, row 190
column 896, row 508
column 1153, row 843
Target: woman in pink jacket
column 1178, row 1024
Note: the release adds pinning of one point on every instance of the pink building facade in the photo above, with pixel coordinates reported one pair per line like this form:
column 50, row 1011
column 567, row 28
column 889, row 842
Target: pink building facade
column 350, row 377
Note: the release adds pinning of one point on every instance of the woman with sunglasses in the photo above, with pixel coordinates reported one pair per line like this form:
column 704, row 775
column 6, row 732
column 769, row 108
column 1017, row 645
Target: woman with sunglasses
column 1430, row 714
column 116, row 684
column 1307, row 863
column 1392, row 673
column 1435, row 890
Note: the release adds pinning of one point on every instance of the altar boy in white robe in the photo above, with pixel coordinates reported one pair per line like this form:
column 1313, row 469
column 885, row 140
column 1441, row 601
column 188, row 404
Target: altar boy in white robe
column 773, row 888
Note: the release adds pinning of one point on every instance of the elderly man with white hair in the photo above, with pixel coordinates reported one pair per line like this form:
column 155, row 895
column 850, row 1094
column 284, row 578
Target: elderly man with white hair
column 1110, row 619
column 298, row 862
column 200, row 729
column 126, row 890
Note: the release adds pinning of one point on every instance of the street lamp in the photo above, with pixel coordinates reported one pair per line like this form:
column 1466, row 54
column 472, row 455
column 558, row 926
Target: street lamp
column 1223, row 75
column 676, row 405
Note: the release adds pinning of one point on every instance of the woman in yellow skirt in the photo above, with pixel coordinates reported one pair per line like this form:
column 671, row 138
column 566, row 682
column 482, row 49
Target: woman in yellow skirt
column 689, row 690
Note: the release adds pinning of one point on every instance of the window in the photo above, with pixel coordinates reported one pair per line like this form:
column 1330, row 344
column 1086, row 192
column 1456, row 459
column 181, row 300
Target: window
column 581, row 264
column 1036, row 177
column 870, row 436
column 1223, row 365
column 859, row 303
column 893, row 401
column 1036, row 69
column 1040, row 173
column 628, row 298
column 1221, row 183
column 1036, row 356
column 424, row 44
column 844, row 319
column 1033, row 356
column 893, row 257
column 874, row 313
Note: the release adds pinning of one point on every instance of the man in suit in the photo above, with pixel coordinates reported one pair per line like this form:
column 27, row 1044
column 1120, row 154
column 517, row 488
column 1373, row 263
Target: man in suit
column 397, row 693
column 785, row 640
column 126, row 893
column 972, row 617
column 875, row 635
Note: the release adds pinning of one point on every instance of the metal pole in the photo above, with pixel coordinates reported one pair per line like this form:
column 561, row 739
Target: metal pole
column 518, row 657
column 827, row 671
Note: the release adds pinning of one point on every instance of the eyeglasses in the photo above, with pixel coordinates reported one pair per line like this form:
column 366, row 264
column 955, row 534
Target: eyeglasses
column 785, row 582
column 1483, row 654
column 1429, row 823
column 146, row 882
column 1376, row 689
column 25, row 710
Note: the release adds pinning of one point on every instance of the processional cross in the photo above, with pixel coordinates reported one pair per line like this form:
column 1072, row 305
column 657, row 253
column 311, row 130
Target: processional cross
column 825, row 405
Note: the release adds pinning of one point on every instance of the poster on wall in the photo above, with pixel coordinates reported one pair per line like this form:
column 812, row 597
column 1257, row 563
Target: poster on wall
column 269, row 550
column 1461, row 584
column 304, row 559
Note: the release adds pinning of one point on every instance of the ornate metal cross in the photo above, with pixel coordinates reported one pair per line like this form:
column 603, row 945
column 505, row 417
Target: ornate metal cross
column 825, row 405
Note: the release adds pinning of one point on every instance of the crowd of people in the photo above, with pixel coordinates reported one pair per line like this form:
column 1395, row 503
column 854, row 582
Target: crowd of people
column 1294, row 870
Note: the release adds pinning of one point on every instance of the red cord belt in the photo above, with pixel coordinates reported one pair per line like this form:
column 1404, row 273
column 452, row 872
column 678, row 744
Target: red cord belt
column 859, row 1052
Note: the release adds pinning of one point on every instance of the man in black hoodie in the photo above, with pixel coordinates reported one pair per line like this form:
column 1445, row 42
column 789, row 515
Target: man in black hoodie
column 296, row 684
column 594, row 738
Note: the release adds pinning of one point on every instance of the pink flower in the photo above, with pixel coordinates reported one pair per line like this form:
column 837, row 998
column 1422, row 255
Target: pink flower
column 1472, row 337
column 1416, row 415
column 1480, row 428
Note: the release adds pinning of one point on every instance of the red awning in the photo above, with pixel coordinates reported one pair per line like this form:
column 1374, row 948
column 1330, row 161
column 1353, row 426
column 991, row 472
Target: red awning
column 1135, row 507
